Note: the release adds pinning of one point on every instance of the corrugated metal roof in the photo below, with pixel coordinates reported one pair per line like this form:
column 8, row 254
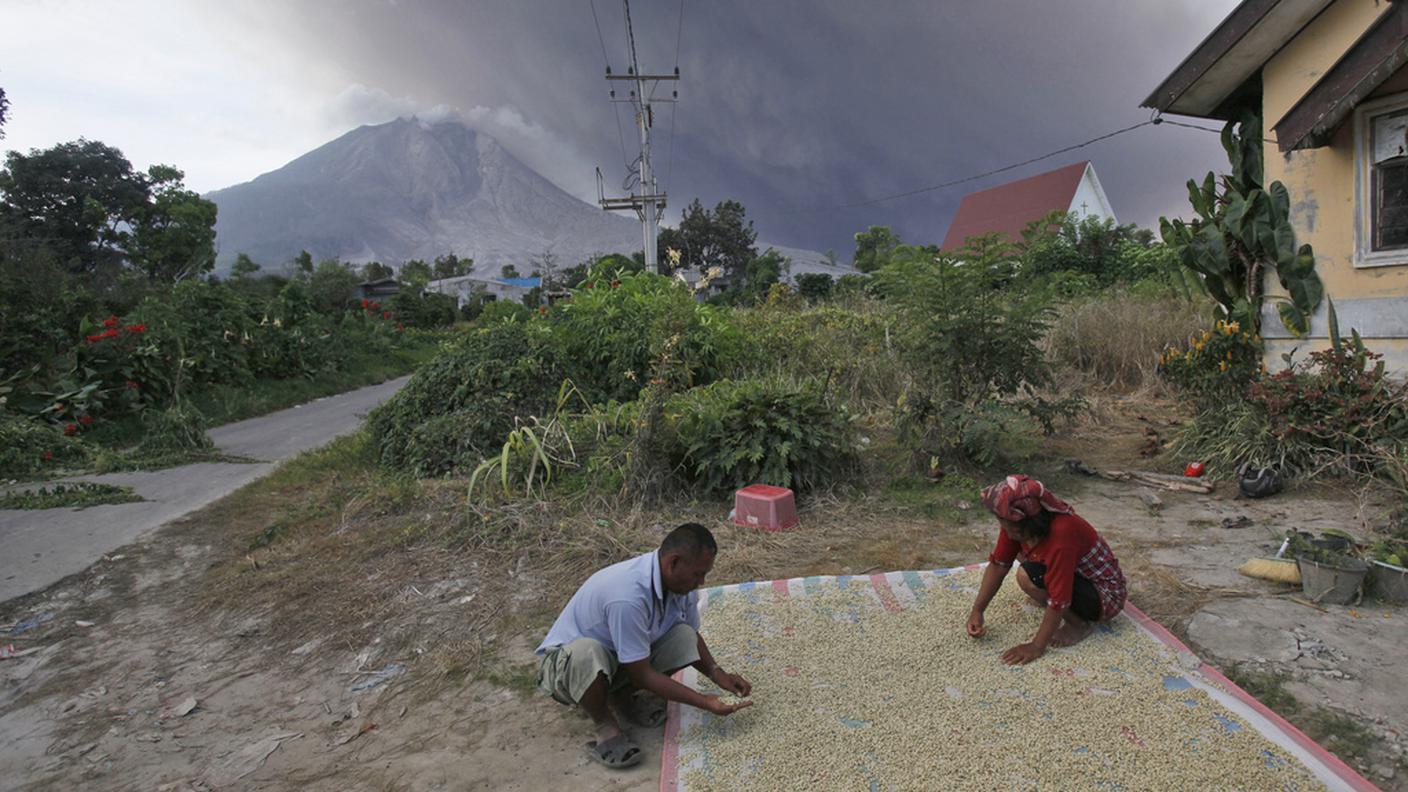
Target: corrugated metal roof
column 1009, row 208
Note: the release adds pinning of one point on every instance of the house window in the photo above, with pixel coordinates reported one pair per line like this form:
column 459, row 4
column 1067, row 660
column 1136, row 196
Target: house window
column 1382, row 233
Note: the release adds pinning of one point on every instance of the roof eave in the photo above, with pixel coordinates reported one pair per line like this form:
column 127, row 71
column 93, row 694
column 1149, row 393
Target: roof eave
column 1226, row 61
column 1366, row 65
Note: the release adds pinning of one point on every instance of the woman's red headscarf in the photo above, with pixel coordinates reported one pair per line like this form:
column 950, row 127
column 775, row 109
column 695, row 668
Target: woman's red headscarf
column 1018, row 496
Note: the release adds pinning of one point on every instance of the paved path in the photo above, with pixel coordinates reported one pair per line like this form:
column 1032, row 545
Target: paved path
column 39, row 548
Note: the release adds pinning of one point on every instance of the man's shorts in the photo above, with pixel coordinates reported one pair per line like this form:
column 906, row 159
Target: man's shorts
column 567, row 671
column 1085, row 600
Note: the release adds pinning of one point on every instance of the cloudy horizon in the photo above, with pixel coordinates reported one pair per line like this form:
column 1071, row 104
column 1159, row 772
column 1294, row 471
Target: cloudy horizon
column 793, row 108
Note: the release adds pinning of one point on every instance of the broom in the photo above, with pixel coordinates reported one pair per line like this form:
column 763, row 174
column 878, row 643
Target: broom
column 1276, row 569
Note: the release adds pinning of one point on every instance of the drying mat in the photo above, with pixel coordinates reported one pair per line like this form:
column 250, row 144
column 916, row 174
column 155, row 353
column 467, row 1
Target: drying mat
column 869, row 683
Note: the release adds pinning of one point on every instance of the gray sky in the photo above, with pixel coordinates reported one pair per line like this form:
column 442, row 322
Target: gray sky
column 791, row 107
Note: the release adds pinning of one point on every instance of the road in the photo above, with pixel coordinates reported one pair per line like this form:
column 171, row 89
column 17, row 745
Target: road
column 40, row 547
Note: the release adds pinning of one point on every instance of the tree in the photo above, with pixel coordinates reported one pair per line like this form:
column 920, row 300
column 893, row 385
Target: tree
column 722, row 238
column 243, row 267
column 760, row 274
column 508, row 271
column 452, row 266
column 814, row 286
column 4, row 112
column 1093, row 246
column 545, row 266
column 81, row 198
column 303, row 263
column 416, row 273
column 375, row 270
column 174, row 236
column 612, row 265
column 874, row 248
column 333, row 286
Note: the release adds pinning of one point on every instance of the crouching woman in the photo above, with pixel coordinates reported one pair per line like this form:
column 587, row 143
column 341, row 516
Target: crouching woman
column 1065, row 566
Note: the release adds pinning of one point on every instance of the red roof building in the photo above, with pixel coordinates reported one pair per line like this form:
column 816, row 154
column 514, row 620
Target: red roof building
column 1009, row 208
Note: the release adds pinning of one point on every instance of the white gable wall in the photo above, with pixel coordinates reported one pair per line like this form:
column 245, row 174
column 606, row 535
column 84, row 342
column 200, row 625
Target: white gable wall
column 1090, row 197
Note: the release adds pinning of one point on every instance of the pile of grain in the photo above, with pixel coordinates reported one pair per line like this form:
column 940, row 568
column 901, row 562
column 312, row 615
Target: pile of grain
column 853, row 696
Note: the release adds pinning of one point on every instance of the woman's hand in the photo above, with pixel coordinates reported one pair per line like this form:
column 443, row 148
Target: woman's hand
column 976, row 627
column 1021, row 654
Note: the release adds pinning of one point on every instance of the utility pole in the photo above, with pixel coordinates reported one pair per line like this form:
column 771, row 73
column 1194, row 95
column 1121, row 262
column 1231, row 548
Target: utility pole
column 645, row 199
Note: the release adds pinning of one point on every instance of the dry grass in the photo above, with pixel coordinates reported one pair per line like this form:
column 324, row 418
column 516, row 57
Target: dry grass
column 333, row 549
column 1116, row 337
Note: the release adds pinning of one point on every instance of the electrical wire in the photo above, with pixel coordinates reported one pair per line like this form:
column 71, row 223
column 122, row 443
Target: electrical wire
column 670, row 158
column 599, row 37
column 994, row 171
column 620, row 135
column 1159, row 119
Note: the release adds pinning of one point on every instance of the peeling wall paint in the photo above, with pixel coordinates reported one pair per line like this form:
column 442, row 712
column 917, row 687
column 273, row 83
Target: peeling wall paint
column 1322, row 184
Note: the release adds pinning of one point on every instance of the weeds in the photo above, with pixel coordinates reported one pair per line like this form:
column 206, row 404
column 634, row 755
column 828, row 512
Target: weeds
column 1116, row 337
column 78, row 495
column 1345, row 736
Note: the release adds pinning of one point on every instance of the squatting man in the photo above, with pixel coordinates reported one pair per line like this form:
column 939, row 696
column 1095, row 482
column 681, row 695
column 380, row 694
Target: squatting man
column 625, row 632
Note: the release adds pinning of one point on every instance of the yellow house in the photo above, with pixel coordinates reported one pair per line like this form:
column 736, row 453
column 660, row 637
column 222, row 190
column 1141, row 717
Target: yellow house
column 1331, row 82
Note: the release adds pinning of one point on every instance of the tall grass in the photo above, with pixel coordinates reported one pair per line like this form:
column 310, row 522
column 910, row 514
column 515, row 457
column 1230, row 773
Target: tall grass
column 1115, row 337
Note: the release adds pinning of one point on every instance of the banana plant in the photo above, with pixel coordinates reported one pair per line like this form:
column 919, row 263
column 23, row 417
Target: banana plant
column 1242, row 230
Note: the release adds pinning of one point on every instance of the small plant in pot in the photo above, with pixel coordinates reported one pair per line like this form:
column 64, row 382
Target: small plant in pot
column 1388, row 577
column 1328, row 573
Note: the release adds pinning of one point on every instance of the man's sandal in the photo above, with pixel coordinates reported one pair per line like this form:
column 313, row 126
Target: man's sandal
column 617, row 753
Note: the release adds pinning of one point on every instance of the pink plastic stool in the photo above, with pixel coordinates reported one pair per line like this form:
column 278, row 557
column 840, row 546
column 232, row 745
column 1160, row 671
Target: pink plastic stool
column 763, row 506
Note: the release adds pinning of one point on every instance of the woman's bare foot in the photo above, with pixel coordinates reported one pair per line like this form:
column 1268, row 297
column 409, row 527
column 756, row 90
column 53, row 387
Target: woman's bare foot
column 1071, row 632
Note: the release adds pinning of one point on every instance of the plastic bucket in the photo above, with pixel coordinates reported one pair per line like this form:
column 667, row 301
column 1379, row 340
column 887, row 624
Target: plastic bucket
column 1335, row 584
column 1388, row 582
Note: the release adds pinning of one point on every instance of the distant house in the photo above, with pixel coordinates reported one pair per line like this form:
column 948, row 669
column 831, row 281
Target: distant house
column 1330, row 80
column 465, row 287
column 378, row 289
column 1009, row 208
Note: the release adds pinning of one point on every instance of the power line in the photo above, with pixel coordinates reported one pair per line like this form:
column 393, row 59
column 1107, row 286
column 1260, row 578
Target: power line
column 601, row 39
column 994, row 171
column 604, row 57
column 679, row 36
column 1158, row 119
column 670, row 157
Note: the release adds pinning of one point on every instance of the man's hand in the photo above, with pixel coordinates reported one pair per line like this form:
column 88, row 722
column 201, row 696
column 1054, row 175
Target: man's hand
column 733, row 683
column 717, row 706
column 976, row 628
column 1021, row 654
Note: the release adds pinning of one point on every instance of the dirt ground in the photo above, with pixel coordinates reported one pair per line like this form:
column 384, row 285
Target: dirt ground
column 169, row 666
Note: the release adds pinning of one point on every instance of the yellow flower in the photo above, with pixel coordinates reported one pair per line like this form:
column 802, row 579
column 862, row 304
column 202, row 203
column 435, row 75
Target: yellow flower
column 1235, row 327
column 1222, row 364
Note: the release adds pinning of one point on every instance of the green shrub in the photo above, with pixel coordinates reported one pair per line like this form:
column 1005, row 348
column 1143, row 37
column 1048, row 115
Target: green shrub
column 463, row 403
column 1216, row 365
column 734, row 433
column 500, row 311
column 177, row 429
column 425, row 311
column 29, row 447
column 205, row 326
column 615, row 334
column 846, row 348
